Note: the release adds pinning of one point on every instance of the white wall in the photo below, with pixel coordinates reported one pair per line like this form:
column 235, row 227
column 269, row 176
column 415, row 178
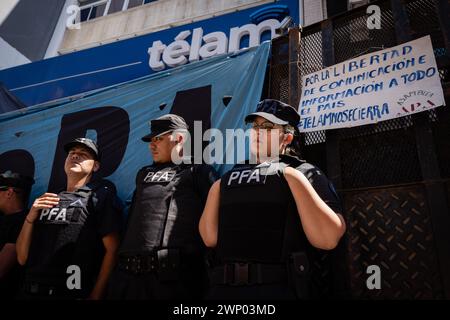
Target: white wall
column 60, row 29
column 312, row 11
column 9, row 56
column 148, row 18
column 6, row 6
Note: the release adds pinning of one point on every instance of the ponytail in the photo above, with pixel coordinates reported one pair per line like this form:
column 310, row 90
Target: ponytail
column 293, row 149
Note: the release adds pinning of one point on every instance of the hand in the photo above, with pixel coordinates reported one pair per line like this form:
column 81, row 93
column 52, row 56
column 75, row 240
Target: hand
column 46, row 201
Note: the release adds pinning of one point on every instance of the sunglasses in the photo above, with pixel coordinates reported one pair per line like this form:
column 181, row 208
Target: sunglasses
column 4, row 188
column 266, row 125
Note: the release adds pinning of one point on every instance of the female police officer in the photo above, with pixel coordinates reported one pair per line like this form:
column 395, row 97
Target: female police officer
column 261, row 217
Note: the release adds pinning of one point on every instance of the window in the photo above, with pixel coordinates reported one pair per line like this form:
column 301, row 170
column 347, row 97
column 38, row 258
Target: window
column 135, row 3
column 116, row 6
column 91, row 9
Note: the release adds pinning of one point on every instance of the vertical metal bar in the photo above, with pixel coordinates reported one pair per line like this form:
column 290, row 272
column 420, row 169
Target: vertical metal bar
column 269, row 90
column 403, row 30
column 327, row 43
column 125, row 5
column 108, row 4
column 332, row 141
column 429, row 164
column 443, row 9
column 294, row 92
column 341, row 283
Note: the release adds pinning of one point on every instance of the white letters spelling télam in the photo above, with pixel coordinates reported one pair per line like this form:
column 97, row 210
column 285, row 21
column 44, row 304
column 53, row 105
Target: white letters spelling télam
column 180, row 51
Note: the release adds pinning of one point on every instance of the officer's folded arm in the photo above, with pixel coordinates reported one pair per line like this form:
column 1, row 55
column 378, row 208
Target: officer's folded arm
column 209, row 220
column 323, row 227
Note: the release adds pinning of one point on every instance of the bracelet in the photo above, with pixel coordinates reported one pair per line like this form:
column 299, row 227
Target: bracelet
column 30, row 222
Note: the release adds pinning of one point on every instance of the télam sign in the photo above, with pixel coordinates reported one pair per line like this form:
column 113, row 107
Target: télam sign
column 73, row 74
column 181, row 51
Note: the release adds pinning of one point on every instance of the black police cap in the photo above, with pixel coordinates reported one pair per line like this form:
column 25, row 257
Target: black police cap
column 85, row 142
column 165, row 124
column 15, row 180
column 275, row 111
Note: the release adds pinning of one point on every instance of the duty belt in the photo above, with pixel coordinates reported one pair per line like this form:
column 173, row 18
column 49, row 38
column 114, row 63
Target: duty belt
column 137, row 264
column 242, row 274
column 43, row 289
column 165, row 262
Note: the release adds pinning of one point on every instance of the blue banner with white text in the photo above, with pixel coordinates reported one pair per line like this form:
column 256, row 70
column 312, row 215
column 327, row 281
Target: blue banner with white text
column 219, row 92
column 117, row 62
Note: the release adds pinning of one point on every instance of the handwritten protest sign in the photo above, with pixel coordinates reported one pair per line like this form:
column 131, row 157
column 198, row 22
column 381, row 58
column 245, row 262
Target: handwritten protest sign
column 386, row 84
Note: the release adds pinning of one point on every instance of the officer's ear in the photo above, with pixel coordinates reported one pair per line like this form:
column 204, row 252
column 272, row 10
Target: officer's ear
column 96, row 166
column 179, row 137
column 287, row 139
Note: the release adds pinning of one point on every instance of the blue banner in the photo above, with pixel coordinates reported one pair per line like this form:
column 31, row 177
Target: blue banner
column 121, row 61
column 219, row 91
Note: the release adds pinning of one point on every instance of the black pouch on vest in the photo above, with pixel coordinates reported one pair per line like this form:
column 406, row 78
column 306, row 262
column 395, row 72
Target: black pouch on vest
column 168, row 264
column 299, row 273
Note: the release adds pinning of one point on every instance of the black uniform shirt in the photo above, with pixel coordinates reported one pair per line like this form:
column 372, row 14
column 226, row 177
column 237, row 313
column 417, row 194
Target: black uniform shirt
column 323, row 186
column 10, row 226
column 72, row 234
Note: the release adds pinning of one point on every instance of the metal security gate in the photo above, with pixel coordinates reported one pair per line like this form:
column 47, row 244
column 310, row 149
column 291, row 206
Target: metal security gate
column 393, row 177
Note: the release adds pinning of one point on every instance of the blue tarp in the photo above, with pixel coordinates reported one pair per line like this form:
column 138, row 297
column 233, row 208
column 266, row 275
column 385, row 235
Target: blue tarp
column 31, row 139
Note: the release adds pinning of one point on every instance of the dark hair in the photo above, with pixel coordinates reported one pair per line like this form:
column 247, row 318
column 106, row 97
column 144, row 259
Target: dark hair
column 293, row 149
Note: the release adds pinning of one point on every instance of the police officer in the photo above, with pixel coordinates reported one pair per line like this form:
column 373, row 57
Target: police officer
column 69, row 240
column 14, row 192
column 263, row 215
column 162, row 255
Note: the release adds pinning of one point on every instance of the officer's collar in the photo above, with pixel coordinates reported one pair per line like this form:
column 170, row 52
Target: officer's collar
column 291, row 160
column 86, row 187
column 170, row 164
column 91, row 185
column 162, row 165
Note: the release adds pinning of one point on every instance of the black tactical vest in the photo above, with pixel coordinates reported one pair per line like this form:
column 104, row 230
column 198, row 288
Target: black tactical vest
column 56, row 234
column 258, row 219
column 165, row 212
